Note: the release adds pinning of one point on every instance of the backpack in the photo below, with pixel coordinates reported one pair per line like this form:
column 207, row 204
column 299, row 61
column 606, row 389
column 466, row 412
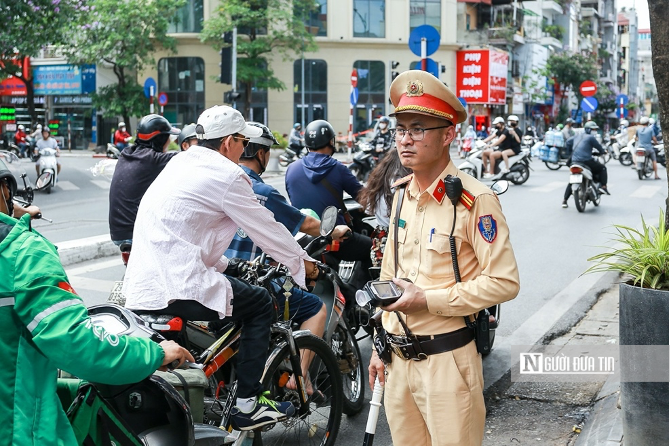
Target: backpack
column 95, row 422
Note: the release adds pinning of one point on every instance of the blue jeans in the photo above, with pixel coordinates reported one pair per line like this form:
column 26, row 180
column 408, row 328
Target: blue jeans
column 22, row 147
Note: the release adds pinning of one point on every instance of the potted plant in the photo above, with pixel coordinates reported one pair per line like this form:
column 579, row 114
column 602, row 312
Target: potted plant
column 642, row 257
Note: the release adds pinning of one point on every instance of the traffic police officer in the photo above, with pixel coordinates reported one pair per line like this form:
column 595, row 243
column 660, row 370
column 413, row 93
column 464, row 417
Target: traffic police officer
column 438, row 399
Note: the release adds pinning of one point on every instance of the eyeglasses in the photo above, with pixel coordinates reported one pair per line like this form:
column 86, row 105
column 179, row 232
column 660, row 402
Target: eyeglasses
column 245, row 141
column 416, row 134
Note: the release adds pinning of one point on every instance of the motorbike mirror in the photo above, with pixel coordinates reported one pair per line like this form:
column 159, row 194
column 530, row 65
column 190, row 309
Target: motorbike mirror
column 328, row 221
column 500, row 186
column 43, row 181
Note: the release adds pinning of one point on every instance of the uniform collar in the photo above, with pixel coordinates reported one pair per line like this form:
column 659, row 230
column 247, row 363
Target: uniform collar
column 251, row 173
column 436, row 190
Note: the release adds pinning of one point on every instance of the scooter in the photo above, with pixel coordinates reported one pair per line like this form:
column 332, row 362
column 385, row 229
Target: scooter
column 584, row 188
column 644, row 164
column 113, row 152
column 364, row 161
column 519, row 170
column 626, row 153
column 49, row 170
column 290, row 155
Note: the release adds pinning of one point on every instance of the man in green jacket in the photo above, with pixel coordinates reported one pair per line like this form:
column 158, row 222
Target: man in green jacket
column 45, row 326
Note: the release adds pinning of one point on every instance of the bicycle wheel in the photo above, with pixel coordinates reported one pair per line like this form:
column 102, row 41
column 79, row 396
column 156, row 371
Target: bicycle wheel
column 319, row 426
column 351, row 369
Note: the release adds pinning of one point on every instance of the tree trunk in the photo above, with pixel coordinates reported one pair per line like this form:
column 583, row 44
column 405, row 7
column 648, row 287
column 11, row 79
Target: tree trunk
column 121, row 76
column 30, row 98
column 658, row 18
column 247, row 102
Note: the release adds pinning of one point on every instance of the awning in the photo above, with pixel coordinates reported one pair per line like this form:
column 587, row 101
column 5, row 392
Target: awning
column 530, row 13
column 486, row 2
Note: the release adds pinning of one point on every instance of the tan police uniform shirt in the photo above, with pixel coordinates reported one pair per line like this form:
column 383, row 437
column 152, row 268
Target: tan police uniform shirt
column 486, row 261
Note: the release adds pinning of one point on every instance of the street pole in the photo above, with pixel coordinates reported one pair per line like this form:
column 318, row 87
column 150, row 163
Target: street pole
column 234, row 67
column 302, row 92
column 350, row 142
column 151, row 99
column 424, row 51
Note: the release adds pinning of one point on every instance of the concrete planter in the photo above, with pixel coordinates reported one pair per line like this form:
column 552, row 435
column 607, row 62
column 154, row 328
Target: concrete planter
column 273, row 164
column 643, row 320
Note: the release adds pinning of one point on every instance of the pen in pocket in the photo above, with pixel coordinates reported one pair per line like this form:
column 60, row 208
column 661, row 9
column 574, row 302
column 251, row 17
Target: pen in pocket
column 432, row 231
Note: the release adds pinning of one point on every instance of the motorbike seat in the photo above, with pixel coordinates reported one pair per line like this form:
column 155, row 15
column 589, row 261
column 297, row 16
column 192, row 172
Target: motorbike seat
column 581, row 165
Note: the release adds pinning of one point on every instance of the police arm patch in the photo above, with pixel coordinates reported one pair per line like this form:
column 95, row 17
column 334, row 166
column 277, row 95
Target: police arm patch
column 488, row 228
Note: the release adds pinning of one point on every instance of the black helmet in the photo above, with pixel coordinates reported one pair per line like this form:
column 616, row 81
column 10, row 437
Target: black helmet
column 5, row 173
column 187, row 133
column 319, row 134
column 153, row 125
column 265, row 141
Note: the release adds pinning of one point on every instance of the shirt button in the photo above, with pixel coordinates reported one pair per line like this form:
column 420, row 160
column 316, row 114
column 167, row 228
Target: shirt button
column 412, row 273
column 439, row 312
column 416, row 242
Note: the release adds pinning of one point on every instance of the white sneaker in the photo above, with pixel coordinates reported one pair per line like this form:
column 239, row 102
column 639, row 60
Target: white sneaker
column 505, row 171
column 487, row 175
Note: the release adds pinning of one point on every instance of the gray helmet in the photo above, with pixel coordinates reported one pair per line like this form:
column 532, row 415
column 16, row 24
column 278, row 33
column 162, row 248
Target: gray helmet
column 319, row 134
column 265, row 141
column 187, row 133
column 590, row 125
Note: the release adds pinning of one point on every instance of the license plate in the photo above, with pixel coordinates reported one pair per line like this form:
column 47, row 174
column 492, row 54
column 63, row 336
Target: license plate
column 576, row 178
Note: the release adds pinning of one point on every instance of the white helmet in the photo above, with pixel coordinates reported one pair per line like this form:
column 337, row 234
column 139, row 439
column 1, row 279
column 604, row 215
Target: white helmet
column 513, row 118
column 644, row 120
column 652, row 121
column 498, row 120
column 625, row 123
column 122, row 124
column 21, row 127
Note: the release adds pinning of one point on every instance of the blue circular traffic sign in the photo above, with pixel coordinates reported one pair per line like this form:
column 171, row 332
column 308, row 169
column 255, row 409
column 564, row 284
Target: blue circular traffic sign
column 589, row 104
column 162, row 98
column 432, row 39
column 150, row 82
column 621, row 99
column 353, row 98
column 431, row 67
column 463, row 101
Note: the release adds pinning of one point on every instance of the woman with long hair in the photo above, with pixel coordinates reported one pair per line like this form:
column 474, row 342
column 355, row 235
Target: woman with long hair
column 377, row 198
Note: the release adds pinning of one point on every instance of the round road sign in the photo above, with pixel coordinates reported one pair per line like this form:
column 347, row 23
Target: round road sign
column 432, row 39
column 589, row 104
column 588, row 88
column 162, row 98
column 150, row 82
column 354, row 78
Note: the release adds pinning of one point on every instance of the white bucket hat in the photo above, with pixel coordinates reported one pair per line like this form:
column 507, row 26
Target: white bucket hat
column 221, row 121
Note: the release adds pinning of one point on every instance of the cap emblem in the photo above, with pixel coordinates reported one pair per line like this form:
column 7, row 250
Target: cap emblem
column 414, row 88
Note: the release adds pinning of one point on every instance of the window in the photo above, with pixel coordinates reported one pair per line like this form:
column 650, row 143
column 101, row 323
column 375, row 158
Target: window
column 188, row 18
column 425, row 12
column 183, row 80
column 316, row 89
column 316, row 21
column 369, row 18
column 371, row 93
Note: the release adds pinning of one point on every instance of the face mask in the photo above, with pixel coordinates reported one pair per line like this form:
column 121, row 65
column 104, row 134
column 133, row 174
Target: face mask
column 382, row 125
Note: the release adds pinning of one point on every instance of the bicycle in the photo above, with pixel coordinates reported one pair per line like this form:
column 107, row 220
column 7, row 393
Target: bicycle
column 317, row 417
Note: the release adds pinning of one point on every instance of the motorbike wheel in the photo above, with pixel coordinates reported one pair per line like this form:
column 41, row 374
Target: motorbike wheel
column 553, row 166
column 283, row 162
column 470, row 171
column 604, row 158
column 626, row 158
column 350, row 362
column 580, row 198
column 48, row 189
column 519, row 174
column 357, row 172
column 321, row 423
column 648, row 167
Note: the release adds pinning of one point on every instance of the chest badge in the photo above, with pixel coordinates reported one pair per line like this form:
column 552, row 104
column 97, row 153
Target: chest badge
column 488, row 228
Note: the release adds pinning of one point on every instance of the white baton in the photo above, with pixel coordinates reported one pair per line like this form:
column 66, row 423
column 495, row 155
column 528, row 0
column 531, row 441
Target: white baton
column 375, row 404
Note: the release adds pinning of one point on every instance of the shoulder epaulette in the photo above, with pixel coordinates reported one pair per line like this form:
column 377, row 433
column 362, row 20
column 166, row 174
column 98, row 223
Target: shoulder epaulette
column 402, row 181
column 467, row 199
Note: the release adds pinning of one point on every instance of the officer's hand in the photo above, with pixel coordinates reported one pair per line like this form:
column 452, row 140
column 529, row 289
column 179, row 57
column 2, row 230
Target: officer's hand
column 376, row 369
column 235, row 267
column 412, row 300
column 340, row 233
column 174, row 352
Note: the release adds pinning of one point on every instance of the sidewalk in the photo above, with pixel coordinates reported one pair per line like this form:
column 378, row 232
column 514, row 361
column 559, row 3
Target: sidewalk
column 562, row 413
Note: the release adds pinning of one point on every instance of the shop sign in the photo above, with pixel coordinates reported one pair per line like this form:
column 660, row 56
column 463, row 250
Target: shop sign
column 12, row 87
column 481, row 76
column 57, row 80
column 83, row 99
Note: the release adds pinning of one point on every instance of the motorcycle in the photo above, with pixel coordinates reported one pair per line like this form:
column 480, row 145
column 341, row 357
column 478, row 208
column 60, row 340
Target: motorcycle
column 364, row 161
column 113, row 152
column 527, row 142
column 584, row 188
column 644, row 164
column 626, row 153
column 519, row 170
column 136, row 404
column 49, row 170
column 343, row 320
column 291, row 154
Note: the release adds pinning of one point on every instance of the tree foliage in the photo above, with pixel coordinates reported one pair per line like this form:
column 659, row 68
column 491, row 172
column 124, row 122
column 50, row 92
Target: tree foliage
column 265, row 28
column 570, row 70
column 31, row 25
column 123, row 35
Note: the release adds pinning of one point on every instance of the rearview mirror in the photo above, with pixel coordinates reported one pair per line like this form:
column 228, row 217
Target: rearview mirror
column 43, row 181
column 328, row 221
column 500, row 186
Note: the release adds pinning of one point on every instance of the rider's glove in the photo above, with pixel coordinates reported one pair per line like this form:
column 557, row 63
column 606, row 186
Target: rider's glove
column 236, row 267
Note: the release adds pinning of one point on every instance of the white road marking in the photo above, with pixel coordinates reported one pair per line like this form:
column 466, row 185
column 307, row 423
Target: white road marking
column 67, row 186
column 98, row 285
column 104, row 184
column 94, row 267
column 645, row 192
column 550, row 186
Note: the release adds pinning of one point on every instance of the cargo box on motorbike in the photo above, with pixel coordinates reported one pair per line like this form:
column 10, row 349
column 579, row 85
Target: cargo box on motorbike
column 191, row 385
